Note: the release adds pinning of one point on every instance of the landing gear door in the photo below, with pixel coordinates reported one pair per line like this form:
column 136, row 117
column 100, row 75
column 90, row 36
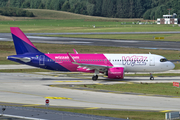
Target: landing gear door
column 152, row 61
column 42, row 60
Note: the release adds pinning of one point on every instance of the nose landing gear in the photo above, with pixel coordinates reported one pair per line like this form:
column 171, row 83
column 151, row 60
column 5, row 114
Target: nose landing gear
column 151, row 76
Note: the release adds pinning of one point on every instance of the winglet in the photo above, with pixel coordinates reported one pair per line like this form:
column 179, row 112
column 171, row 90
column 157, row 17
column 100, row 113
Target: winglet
column 75, row 51
column 71, row 58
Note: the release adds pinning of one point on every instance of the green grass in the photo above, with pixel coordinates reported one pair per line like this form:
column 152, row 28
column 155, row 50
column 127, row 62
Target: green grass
column 79, row 25
column 50, row 21
column 167, row 37
column 177, row 66
column 134, row 115
column 157, row 89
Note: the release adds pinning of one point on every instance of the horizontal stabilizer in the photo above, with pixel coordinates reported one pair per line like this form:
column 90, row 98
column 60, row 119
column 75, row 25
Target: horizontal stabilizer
column 25, row 59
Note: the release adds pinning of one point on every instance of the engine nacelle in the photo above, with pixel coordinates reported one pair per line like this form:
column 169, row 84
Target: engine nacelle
column 116, row 73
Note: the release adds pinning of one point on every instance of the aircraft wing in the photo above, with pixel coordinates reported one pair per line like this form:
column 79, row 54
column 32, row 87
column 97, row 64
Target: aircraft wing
column 93, row 66
column 90, row 66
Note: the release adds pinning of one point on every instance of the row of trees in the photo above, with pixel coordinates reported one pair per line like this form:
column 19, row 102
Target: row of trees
column 18, row 12
column 160, row 10
column 107, row 8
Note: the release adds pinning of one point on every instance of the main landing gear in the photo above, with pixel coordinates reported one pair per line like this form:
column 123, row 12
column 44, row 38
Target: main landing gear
column 151, row 77
column 95, row 76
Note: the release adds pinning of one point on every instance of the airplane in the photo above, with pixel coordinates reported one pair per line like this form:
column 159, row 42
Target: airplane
column 112, row 65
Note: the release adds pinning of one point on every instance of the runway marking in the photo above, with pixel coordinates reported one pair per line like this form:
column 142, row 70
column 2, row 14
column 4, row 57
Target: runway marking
column 92, row 108
column 142, row 95
column 31, row 105
column 26, row 118
column 165, row 111
column 67, row 81
column 126, row 41
column 148, row 48
column 99, row 84
column 79, row 42
column 130, row 83
column 58, row 98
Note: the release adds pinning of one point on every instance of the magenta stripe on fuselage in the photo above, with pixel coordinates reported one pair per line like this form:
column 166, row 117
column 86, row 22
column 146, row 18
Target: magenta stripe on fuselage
column 63, row 60
column 17, row 32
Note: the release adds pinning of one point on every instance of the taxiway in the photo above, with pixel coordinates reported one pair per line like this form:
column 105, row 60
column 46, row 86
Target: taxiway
column 143, row 44
column 33, row 89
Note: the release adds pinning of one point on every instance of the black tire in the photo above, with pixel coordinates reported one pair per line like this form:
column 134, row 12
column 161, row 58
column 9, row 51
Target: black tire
column 151, row 78
column 94, row 78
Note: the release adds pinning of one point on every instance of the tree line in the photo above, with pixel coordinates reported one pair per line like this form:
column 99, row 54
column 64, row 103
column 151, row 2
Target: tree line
column 147, row 9
column 18, row 12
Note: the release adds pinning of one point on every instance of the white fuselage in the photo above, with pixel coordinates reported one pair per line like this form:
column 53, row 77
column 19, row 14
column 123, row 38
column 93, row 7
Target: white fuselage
column 140, row 62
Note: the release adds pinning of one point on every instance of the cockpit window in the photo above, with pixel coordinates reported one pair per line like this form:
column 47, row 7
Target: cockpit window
column 163, row 60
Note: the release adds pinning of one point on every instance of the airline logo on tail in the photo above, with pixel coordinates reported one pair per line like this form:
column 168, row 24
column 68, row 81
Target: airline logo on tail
column 21, row 42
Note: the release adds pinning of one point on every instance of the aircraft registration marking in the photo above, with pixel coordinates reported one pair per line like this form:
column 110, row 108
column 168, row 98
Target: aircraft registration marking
column 58, row 98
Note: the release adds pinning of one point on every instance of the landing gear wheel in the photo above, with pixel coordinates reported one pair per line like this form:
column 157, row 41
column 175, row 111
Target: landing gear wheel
column 151, row 77
column 94, row 78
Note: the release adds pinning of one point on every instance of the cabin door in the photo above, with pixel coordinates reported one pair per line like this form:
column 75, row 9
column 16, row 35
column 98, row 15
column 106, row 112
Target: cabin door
column 152, row 61
column 42, row 60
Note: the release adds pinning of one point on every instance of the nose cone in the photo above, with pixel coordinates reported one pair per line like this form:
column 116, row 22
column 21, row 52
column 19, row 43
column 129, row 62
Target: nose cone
column 171, row 66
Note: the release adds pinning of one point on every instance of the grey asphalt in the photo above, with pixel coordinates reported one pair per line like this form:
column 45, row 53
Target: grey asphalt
column 24, row 113
column 166, row 45
column 32, row 89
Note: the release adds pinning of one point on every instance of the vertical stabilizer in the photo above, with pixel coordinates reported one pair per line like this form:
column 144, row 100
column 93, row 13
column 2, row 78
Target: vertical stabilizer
column 21, row 42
